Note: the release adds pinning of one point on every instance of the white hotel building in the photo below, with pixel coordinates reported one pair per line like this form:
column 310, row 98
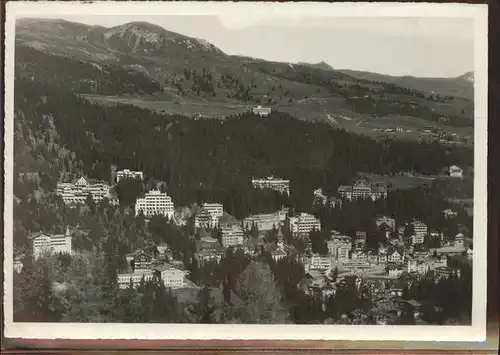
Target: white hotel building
column 276, row 184
column 420, row 228
column 76, row 192
column 45, row 244
column 304, row 224
column 129, row 174
column 209, row 215
column 232, row 236
column 266, row 221
column 215, row 209
column 153, row 203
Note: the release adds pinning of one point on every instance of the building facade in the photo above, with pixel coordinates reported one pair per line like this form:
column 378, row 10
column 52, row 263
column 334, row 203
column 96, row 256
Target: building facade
column 204, row 219
column 303, row 224
column 76, row 192
column 129, row 174
column 264, row 222
column 124, row 280
column 232, row 236
column 45, row 244
column 319, row 262
column 363, row 190
column 280, row 185
column 172, row 276
column 261, row 111
column 155, row 203
column 420, row 228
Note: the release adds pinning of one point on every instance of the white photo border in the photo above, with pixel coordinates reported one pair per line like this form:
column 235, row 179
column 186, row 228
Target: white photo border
column 475, row 332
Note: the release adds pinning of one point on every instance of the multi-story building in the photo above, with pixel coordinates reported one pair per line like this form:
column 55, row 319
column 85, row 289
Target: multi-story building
column 303, row 224
column 129, row 174
column 124, row 280
column 45, row 244
column 395, row 257
column 232, row 236
column 172, row 276
column 363, row 190
column 153, row 203
column 456, row 172
column 276, row 184
column 76, row 192
column 261, row 111
column 338, row 246
column 205, row 219
column 419, row 228
column 215, row 209
column 320, row 199
column 319, row 262
column 417, row 239
column 343, row 253
column 263, row 222
column 142, row 262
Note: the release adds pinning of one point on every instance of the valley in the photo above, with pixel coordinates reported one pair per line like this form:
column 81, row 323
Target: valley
column 174, row 74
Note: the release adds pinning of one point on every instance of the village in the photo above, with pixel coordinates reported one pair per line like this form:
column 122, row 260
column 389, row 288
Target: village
column 383, row 271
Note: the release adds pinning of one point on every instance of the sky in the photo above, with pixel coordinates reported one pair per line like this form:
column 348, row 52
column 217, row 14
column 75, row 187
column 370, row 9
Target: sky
column 422, row 47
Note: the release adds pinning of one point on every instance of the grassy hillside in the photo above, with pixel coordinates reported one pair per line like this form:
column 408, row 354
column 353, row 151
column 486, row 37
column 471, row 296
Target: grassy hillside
column 193, row 77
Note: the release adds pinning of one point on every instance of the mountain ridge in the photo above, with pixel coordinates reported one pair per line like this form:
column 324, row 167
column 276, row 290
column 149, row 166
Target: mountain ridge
column 195, row 73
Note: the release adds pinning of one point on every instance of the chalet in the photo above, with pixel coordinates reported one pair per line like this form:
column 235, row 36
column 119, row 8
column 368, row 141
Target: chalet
column 395, row 271
column 142, row 262
column 395, row 256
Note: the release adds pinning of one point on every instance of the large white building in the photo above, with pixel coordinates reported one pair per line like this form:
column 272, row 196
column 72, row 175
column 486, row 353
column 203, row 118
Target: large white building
column 261, row 111
column 125, row 279
column 129, row 174
column 209, row 215
column 172, row 276
column 205, row 219
column 265, row 222
column 76, row 192
column 319, row 262
column 339, row 247
column 276, row 184
column 45, row 244
column 321, row 199
column 420, row 228
column 153, row 203
column 363, row 190
column 303, row 224
column 215, row 209
column 232, row 236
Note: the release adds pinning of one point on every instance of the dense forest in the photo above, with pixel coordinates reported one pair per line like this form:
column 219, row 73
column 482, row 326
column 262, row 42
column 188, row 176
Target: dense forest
column 215, row 160
column 60, row 135
column 99, row 78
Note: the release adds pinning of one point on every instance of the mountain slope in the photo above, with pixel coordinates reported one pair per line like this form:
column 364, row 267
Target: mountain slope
column 320, row 65
column 461, row 86
column 192, row 74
